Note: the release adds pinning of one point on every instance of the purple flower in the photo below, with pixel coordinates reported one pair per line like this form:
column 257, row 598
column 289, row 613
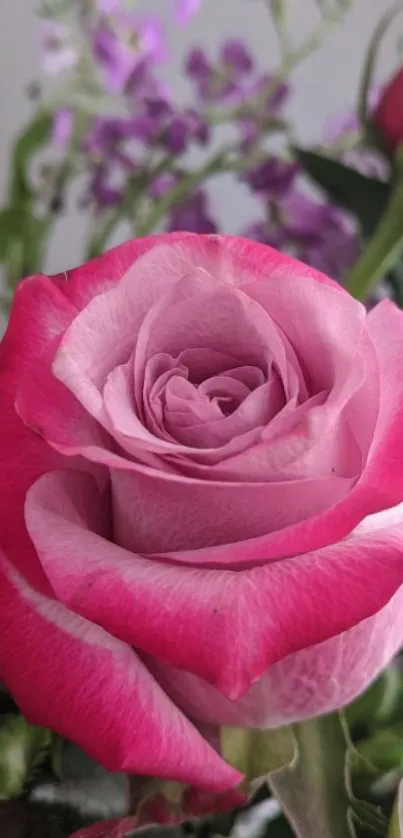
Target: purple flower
column 185, row 9
column 181, row 128
column 161, row 185
column 320, row 234
column 123, row 43
column 236, row 59
column 265, row 96
column 176, row 134
column 317, row 233
column 58, row 54
column 263, row 232
column 107, row 7
column 193, row 215
column 198, row 127
column 273, row 176
column 62, row 128
column 197, row 64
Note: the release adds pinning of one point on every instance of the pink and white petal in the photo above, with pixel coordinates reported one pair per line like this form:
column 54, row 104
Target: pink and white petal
column 70, row 675
column 257, row 261
column 101, row 274
column 51, row 411
column 311, row 682
column 39, row 313
column 138, row 599
column 385, row 466
column 103, row 335
column 261, row 615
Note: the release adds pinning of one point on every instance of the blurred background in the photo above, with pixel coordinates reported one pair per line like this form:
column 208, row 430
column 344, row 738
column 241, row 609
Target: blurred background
column 321, row 96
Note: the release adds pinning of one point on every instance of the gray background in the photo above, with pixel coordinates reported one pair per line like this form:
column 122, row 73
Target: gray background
column 323, row 86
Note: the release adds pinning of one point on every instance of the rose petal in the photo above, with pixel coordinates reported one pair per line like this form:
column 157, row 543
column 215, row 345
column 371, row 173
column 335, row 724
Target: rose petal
column 39, row 314
column 314, row 681
column 261, row 615
column 161, row 511
column 107, row 702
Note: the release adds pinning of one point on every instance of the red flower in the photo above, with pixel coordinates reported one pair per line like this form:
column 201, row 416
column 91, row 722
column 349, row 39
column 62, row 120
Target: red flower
column 388, row 116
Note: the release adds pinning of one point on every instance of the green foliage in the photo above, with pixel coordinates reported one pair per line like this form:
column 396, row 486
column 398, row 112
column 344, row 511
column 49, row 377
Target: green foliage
column 359, row 194
column 23, row 231
column 28, row 144
column 384, row 250
column 22, row 749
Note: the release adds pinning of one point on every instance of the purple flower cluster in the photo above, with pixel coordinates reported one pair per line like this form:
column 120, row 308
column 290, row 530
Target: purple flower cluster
column 140, row 145
column 311, row 230
column 232, row 81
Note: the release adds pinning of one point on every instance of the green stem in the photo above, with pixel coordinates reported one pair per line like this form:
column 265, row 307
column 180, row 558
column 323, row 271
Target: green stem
column 384, row 249
column 312, row 789
column 99, row 239
column 182, row 189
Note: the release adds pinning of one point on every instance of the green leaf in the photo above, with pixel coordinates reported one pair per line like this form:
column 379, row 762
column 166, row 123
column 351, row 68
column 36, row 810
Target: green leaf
column 33, row 138
column 256, row 753
column 384, row 748
column 363, row 196
column 384, row 250
column 396, row 821
column 381, row 704
column 21, row 747
column 369, row 66
column 23, row 238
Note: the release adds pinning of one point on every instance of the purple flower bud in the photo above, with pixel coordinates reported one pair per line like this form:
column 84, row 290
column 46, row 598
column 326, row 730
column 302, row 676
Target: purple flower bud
column 161, row 185
column 107, row 7
column 197, row 64
column 198, row 127
column 176, row 135
column 185, row 9
column 62, row 128
column 236, row 57
column 123, row 43
column 273, row 175
column 157, row 107
column 192, row 216
column 262, row 231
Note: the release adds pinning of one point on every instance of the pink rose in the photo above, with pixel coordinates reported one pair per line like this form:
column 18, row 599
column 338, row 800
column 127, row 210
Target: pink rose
column 202, row 461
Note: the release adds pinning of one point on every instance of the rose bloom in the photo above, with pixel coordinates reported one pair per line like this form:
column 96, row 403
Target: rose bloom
column 388, row 116
column 202, row 465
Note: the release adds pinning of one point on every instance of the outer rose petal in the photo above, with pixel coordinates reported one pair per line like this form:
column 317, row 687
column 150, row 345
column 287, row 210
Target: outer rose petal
column 72, row 676
column 81, row 284
column 316, row 680
column 261, row 615
column 39, row 314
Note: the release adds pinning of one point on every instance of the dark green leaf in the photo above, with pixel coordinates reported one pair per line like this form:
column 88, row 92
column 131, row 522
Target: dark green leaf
column 363, row 196
column 381, row 704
